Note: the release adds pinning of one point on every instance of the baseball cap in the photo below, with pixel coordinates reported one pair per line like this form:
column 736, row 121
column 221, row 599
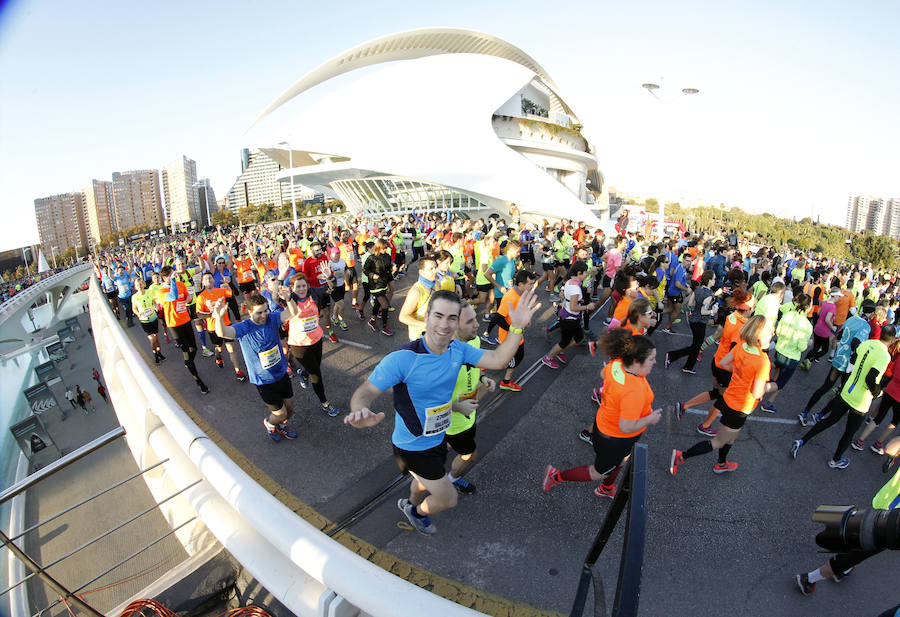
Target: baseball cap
column 868, row 306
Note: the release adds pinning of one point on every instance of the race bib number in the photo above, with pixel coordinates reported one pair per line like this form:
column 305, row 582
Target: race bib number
column 147, row 313
column 308, row 324
column 181, row 306
column 437, row 419
column 269, row 358
column 189, row 289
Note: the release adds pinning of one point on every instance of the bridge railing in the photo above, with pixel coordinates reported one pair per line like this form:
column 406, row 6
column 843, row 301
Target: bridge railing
column 29, row 294
column 307, row 571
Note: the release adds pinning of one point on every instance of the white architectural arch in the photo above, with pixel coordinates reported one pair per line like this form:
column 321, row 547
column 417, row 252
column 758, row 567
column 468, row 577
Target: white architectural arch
column 465, row 119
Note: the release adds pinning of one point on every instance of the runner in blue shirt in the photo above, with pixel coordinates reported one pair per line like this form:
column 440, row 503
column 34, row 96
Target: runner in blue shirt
column 266, row 364
column 125, row 284
column 423, row 376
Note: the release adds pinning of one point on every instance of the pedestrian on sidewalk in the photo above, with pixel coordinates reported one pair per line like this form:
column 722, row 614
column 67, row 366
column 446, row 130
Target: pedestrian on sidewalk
column 79, row 398
column 86, row 396
column 70, row 396
column 102, row 392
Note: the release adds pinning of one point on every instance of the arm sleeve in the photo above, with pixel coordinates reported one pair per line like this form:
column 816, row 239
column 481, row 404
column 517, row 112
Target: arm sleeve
column 872, row 382
column 173, row 289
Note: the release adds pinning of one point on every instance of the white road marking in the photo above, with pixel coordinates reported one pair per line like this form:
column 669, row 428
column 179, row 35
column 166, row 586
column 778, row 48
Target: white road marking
column 353, row 344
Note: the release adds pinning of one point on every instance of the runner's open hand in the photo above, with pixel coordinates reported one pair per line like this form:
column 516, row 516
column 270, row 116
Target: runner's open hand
column 363, row 418
column 520, row 316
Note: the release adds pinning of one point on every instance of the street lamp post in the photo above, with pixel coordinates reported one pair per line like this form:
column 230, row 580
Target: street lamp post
column 53, row 252
column 651, row 89
column 291, row 164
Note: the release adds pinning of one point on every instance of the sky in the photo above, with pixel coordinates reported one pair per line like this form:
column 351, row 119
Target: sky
column 796, row 109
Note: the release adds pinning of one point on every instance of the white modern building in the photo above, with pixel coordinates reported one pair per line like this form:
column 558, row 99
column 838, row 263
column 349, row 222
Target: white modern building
column 181, row 203
column 436, row 118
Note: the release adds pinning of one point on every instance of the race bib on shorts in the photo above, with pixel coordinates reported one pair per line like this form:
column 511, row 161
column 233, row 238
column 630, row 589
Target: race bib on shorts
column 269, row 358
column 147, row 313
column 437, row 419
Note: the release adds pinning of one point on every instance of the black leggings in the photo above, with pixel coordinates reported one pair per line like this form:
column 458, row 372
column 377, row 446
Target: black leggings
column 698, row 332
column 888, row 403
column 184, row 338
column 854, row 421
column 825, row 387
column 310, row 358
column 841, row 562
column 820, row 347
column 833, row 412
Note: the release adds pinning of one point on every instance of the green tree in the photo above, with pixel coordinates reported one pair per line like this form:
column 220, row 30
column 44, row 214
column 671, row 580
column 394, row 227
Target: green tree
column 224, row 217
column 880, row 250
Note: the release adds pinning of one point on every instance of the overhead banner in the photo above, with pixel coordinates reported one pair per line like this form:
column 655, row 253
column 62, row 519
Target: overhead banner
column 40, row 398
column 72, row 324
column 35, row 441
column 48, row 373
column 56, row 352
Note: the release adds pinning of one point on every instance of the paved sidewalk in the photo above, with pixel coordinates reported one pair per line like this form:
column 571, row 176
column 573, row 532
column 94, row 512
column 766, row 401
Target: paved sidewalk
column 89, row 475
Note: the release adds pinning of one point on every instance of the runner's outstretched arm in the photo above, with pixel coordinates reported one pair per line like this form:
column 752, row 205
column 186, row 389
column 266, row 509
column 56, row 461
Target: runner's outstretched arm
column 360, row 415
column 519, row 319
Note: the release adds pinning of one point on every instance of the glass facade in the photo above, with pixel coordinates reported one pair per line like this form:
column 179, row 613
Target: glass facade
column 398, row 195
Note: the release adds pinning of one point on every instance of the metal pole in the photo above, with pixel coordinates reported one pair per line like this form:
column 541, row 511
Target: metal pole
column 293, row 196
column 206, row 193
column 26, row 483
column 51, row 582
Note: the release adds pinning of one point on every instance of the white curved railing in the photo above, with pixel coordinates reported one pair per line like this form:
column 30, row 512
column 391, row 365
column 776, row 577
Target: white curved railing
column 28, row 294
column 303, row 568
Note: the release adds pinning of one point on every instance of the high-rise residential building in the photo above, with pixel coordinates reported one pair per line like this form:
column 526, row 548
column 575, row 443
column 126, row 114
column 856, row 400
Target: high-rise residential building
column 876, row 214
column 99, row 210
column 60, row 222
column 257, row 183
column 178, row 180
column 206, row 199
column 137, row 198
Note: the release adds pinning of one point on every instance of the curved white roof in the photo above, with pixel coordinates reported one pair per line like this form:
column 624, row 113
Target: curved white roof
column 409, row 45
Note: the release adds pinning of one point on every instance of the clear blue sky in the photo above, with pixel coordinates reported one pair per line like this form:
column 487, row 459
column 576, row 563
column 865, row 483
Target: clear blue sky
column 797, row 108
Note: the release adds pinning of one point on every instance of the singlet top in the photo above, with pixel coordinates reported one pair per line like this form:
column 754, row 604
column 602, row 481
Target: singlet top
column 750, row 365
column 625, row 396
column 467, row 383
column 304, row 328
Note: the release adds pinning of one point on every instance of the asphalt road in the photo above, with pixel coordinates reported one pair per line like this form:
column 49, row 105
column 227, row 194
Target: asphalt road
column 714, row 545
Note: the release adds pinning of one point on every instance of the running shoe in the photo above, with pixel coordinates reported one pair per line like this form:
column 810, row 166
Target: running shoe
column 547, row 333
column 286, row 431
column 203, row 388
column 676, row 461
column 668, row 362
column 607, row 321
column 161, row 357
column 330, row 409
column 803, row 418
column 551, row 477
column 768, row 407
column 374, row 325
column 700, row 357
column 805, row 365
column 605, row 491
column 591, row 336
column 667, row 330
column 360, row 314
column 549, row 362
column 841, row 464
column 303, row 376
column 387, row 331
column 795, row 447
column 392, row 309
column 678, row 409
column 817, row 417
column 727, row 467
column 206, row 352
column 561, row 358
column 689, row 371
column 877, row 448
column 334, row 320
column 219, row 363
column 586, row 437
column 592, row 347
column 464, row 487
column 486, row 318
column 273, row 433
column 489, row 340
column 156, row 358
column 858, row 444
column 510, row 385
column 806, row 588
column 332, row 337
column 596, row 394
column 240, row 376
column 837, row 577
column 343, row 325
column 421, row 524
column 707, row 430
column 678, row 320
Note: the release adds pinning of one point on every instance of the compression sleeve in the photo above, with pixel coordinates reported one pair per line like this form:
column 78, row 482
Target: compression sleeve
column 872, row 382
column 173, row 290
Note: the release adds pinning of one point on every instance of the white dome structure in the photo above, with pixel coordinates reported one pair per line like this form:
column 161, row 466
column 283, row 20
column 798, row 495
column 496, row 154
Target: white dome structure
column 446, row 119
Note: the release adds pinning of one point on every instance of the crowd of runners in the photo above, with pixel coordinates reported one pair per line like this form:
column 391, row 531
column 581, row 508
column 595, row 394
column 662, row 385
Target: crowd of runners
column 759, row 313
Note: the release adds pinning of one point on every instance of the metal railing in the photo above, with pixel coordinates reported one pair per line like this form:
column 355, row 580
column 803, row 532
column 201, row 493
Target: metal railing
column 41, row 571
column 307, row 571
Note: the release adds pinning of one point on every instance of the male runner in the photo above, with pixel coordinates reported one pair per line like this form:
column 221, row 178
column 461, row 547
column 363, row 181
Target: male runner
column 266, row 364
column 174, row 296
column 423, row 375
column 412, row 313
column 206, row 300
